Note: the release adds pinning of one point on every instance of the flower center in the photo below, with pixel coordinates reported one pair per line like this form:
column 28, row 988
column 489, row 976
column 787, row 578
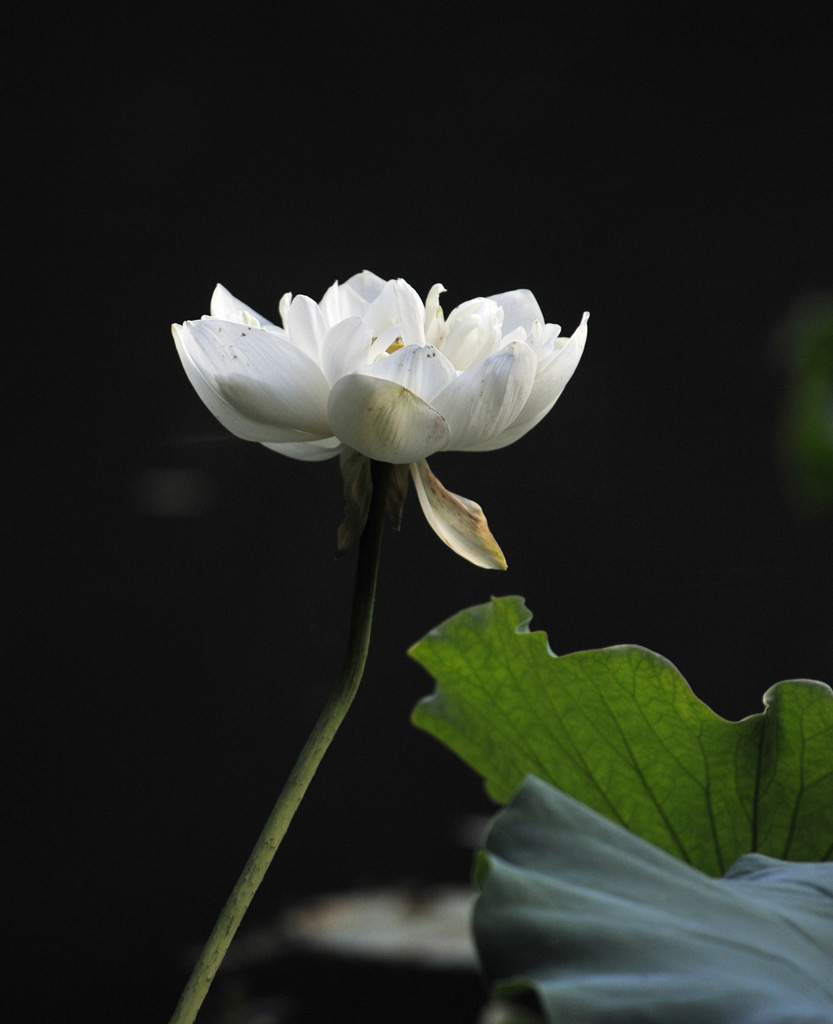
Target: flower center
column 395, row 346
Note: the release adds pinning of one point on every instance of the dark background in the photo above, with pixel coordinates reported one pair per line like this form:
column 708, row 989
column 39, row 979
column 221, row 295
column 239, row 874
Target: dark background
column 664, row 166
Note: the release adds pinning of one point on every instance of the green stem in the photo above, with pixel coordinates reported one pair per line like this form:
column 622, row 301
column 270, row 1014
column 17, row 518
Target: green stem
column 305, row 767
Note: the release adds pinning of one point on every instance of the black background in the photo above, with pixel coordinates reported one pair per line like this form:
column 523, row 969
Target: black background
column 664, row 166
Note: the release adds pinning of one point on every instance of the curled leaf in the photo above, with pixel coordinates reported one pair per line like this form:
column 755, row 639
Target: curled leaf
column 605, row 928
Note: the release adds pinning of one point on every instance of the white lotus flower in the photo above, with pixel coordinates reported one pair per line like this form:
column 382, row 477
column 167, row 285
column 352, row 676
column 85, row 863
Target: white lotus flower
column 374, row 371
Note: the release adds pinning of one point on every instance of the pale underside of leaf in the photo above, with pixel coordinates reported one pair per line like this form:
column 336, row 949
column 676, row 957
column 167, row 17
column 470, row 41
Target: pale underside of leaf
column 606, row 928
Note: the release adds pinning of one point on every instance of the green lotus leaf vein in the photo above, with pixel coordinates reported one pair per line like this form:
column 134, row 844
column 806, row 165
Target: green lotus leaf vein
column 620, row 730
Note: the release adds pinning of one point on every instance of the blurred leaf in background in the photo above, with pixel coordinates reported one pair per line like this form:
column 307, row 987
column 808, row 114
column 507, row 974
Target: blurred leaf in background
column 804, row 343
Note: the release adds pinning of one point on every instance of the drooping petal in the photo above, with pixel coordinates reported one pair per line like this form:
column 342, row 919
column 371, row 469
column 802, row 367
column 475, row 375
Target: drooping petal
column 224, row 306
column 355, row 470
column 259, row 385
column 458, row 522
column 384, row 420
column 555, row 370
column 308, row 451
column 422, row 369
column 485, row 399
column 346, row 348
column 520, row 309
